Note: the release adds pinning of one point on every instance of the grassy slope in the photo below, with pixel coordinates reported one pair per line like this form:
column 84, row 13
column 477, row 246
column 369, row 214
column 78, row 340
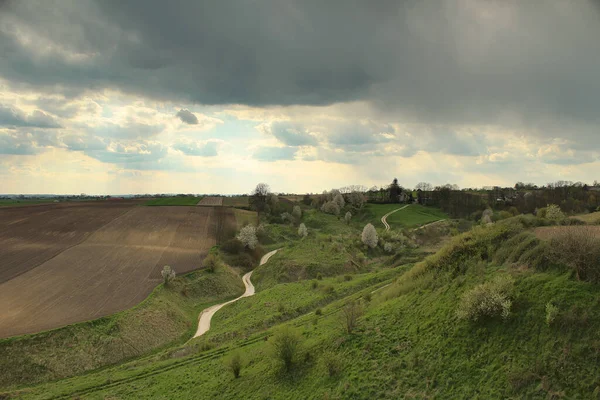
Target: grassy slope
column 409, row 344
column 591, row 218
column 244, row 217
column 164, row 317
column 173, row 201
column 411, row 217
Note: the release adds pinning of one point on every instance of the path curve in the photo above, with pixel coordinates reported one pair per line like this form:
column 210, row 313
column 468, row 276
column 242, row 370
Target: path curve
column 431, row 223
column 207, row 314
column 384, row 218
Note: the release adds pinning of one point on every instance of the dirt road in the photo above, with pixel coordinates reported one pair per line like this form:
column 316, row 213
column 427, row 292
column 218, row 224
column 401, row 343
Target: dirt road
column 207, row 314
column 384, row 218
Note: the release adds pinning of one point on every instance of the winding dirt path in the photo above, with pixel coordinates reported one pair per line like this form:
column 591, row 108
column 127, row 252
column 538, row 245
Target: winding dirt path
column 384, row 218
column 431, row 223
column 207, row 314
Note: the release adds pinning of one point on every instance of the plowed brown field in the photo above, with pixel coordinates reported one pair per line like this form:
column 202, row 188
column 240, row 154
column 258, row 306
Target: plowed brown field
column 114, row 268
column 211, row 201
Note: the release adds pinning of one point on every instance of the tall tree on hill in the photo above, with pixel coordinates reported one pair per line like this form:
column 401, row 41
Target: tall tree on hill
column 259, row 198
column 395, row 190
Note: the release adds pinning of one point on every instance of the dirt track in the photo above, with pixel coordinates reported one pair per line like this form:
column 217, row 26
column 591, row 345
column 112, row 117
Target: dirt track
column 113, row 269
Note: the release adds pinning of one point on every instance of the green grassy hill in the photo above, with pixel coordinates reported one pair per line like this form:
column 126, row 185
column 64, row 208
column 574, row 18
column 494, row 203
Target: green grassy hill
column 413, row 216
column 495, row 313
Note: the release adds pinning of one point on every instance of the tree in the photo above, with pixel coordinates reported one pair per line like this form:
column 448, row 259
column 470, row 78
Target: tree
column 348, row 217
column 302, row 231
column 339, row 199
column 168, row 274
column 369, row 236
column 351, row 313
column 554, row 213
column 424, row 186
column 297, row 212
column 248, row 237
column 286, row 216
column 331, row 207
column 486, row 217
column 356, row 199
column 258, row 198
column 210, row 262
column 286, row 345
column 306, row 200
column 394, row 191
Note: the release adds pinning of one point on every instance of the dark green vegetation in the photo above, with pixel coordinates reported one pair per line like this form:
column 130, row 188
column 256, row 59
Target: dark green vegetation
column 409, row 341
column 174, row 201
column 165, row 317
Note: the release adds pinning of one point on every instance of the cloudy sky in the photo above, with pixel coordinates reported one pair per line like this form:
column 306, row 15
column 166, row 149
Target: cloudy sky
column 128, row 96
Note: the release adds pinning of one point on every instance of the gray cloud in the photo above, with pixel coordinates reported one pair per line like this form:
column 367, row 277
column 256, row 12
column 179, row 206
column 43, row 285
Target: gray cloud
column 11, row 117
column 292, row 134
column 531, row 63
column 275, row 153
column 187, row 117
column 208, row 149
column 12, row 143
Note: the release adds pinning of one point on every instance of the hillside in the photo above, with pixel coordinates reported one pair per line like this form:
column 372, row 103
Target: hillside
column 420, row 330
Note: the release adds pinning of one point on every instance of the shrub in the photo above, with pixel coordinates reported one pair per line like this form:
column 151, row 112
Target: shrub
column 331, row 207
column 211, row 261
column 234, row 363
column 318, row 311
column 369, row 236
column 388, row 247
column 551, row 313
column 332, row 363
column 302, row 231
column 486, row 217
column 168, row 274
column 287, row 217
column 489, row 299
column 553, row 213
column 351, row 313
column 248, row 237
column 232, row 246
column 314, row 284
column 348, row 217
column 297, row 212
column 578, row 247
column 285, row 346
column 319, row 276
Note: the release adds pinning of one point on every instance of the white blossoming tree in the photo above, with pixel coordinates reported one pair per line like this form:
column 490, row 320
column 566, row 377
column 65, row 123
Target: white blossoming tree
column 369, row 236
column 168, row 274
column 302, row 230
column 248, row 237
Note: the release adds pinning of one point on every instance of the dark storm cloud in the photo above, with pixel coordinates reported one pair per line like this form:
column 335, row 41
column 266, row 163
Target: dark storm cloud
column 10, row 117
column 292, row 134
column 188, row 117
column 532, row 63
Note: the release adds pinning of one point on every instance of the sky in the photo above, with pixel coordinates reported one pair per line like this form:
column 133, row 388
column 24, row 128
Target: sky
column 149, row 96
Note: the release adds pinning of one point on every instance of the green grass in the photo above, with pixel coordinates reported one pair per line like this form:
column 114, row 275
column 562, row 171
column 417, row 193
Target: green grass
column 165, row 317
column 413, row 216
column 173, row 201
column 244, row 217
column 237, row 201
column 409, row 343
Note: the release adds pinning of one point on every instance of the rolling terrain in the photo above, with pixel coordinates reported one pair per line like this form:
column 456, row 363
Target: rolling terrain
column 89, row 273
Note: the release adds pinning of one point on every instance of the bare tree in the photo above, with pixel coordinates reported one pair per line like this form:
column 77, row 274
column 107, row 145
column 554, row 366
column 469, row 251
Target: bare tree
column 351, row 313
